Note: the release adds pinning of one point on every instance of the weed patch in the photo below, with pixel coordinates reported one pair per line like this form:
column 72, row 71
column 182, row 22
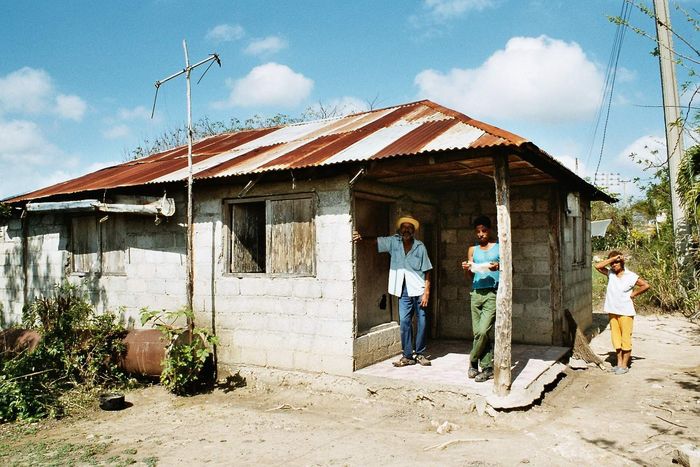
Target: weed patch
column 78, row 349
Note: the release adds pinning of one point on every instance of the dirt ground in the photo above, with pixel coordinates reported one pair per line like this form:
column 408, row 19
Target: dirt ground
column 589, row 418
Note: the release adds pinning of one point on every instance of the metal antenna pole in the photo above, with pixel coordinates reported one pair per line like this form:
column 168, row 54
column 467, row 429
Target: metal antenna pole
column 190, row 179
column 190, row 224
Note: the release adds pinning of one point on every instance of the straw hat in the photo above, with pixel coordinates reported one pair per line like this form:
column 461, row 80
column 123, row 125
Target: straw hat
column 407, row 219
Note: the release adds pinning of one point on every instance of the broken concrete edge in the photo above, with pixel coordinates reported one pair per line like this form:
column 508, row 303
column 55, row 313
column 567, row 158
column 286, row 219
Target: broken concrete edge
column 526, row 397
column 687, row 455
column 451, row 396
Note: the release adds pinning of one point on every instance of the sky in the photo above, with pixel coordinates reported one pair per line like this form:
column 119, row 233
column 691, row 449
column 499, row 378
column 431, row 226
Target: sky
column 77, row 78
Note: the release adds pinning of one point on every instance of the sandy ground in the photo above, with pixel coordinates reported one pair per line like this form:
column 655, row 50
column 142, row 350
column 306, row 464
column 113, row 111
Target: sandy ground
column 589, row 418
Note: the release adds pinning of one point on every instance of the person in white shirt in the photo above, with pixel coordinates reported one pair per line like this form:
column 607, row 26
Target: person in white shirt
column 623, row 287
column 409, row 280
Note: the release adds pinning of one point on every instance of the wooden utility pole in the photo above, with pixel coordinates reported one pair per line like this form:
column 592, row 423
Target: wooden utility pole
column 672, row 119
column 190, row 250
column 504, row 296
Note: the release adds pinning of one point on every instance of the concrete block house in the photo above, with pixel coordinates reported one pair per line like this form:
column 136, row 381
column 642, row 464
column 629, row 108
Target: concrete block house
column 275, row 273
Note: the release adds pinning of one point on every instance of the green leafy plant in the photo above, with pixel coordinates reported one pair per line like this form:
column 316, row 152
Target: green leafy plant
column 5, row 211
column 655, row 260
column 78, row 349
column 189, row 349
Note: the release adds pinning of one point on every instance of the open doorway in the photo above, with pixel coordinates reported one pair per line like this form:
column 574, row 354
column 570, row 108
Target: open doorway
column 376, row 312
column 373, row 305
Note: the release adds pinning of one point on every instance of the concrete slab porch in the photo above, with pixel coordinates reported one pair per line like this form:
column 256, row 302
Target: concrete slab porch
column 534, row 366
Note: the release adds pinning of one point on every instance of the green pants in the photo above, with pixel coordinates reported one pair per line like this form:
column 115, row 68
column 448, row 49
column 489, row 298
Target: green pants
column 483, row 305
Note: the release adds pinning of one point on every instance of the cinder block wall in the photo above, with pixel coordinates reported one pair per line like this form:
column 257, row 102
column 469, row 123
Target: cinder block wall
column 303, row 323
column 11, row 281
column 154, row 264
column 577, row 282
column 155, row 268
column 532, row 322
column 47, row 259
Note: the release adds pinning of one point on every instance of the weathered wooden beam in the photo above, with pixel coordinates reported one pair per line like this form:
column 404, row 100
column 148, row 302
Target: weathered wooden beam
column 504, row 296
column 555, row 282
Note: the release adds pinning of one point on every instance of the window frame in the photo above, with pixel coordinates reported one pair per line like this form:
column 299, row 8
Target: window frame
column 228, row 233
column 580, row 233
column 98, row 262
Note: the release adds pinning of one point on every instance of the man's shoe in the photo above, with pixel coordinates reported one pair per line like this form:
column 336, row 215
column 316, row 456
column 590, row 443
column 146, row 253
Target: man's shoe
column 485, row 375
column 404, row 362
column 621, row 370
column 472, row 372
column 423, row 360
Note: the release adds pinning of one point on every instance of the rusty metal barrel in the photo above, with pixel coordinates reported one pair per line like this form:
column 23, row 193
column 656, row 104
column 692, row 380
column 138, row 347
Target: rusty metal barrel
column 145, row 350
column 14, row 340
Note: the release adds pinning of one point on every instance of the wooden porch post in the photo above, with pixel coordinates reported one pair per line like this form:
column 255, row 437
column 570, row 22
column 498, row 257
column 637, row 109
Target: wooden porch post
column 504, row 296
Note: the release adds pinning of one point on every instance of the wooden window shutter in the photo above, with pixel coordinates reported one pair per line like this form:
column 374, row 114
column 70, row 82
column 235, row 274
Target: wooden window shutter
column 85, row 244
column 292, row 236
column 113, row 232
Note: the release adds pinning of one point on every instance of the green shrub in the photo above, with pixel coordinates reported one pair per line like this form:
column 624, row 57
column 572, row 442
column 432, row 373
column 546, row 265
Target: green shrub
column 188, row 350
column 673, row 288
column 77, row 349
column 5, row 211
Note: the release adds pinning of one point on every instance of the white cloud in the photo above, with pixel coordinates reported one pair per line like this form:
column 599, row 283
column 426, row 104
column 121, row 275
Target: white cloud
column 137, row 113
column 225, row 33
column 625, row 75
column 29, row 91
column 448, row 9
column 266, row 46
column 22, row 142
column 120, row 125
column 536, row 78
column 436, row 14
column 117, row 132
column 270, row 84
column 72, row 107
column 26, row 90
column 30, row 161
column 574, row 164
column 649, row 149
column 24, row 154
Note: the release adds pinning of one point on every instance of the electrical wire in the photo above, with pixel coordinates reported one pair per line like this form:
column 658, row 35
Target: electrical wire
column 609, row 86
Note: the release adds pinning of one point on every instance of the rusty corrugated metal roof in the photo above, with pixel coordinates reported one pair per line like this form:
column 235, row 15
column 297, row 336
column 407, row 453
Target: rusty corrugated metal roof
column 396, row 131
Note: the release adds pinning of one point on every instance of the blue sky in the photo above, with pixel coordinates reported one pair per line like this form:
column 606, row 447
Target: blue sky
column 76, row 78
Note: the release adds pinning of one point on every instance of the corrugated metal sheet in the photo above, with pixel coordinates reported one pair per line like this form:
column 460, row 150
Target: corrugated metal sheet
column 396, row 131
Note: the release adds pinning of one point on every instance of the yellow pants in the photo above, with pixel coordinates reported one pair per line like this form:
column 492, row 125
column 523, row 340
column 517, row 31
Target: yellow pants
column 621, row 331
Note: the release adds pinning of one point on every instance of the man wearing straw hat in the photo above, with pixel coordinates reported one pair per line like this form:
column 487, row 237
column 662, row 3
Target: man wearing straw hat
column 409, row 279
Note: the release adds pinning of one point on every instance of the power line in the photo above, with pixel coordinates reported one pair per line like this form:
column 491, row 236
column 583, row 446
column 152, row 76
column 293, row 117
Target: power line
column 611, row 74
column 666, row 106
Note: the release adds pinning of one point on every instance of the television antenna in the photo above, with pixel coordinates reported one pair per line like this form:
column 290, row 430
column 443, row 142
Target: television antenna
column 187, row 71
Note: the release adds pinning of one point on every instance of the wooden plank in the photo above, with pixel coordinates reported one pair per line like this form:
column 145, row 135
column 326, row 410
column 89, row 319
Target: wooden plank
column 504, row 296
column 85, row 243
column 113, row 233
column 292, row 238
column 306, row 235
column 555, row 282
